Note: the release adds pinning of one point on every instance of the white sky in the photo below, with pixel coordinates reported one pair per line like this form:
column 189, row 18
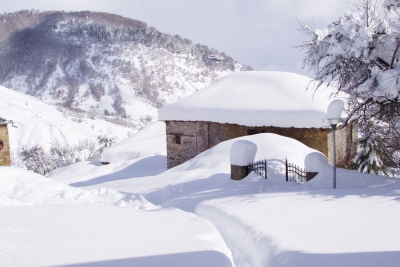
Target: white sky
column 260, row 33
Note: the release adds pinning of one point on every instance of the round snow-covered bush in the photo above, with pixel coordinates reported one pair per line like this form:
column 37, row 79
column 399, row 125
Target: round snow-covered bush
column 243, row 153
column 315, row 162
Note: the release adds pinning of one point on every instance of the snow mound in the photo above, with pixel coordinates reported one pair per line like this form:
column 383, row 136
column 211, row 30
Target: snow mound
column 149, row 141
column 270, row 146
column 243, row 153
column 315, row 162
column 18, row 186
column 255, row 98
column 142, row 203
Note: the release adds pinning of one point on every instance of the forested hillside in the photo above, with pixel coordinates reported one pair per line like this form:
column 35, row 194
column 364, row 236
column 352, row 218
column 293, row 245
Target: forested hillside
column 103, row 63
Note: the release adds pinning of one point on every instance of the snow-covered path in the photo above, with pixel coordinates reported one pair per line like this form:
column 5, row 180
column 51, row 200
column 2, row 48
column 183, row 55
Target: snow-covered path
column 343, row 227
column 98, row 235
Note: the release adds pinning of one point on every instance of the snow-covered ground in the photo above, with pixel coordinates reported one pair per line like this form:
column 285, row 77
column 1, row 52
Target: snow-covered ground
column 82, row 235
column 133, row 212
column 47, row 223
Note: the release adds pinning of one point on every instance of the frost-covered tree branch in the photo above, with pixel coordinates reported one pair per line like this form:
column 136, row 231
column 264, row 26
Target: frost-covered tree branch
column 359, row 55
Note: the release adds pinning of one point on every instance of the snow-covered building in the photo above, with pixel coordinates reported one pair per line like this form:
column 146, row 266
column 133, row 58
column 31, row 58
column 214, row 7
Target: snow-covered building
column 248, row 103
column 5, row 158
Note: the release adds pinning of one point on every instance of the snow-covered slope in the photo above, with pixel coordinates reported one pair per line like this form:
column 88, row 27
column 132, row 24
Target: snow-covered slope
column 148, row 142
column 41, row 124
column 256, row 98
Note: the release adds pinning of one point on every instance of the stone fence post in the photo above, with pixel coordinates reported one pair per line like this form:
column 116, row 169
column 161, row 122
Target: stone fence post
column 5, row 157
column 242, row 154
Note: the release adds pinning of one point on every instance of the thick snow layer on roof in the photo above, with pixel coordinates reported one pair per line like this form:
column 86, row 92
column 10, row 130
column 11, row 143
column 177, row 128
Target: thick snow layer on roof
column 255, row 98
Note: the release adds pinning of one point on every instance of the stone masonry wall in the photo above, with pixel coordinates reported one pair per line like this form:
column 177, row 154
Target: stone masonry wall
column 345, row 145
column 5, row 158
column 196, row 137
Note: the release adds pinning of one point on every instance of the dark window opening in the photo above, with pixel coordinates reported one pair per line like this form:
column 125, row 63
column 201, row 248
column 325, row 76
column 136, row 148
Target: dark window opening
column 177, row 139
column 255, row 131
column 1, row 144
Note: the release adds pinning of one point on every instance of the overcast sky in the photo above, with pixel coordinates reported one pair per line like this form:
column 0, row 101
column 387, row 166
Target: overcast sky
column 259, row 33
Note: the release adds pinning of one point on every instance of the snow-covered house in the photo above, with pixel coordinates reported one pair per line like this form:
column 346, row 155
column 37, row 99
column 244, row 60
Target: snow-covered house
column 5, row 158
column 249, row 103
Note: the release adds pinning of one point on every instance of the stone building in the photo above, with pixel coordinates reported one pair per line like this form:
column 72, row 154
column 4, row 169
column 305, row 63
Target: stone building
column 5, row 157
column 251, row 103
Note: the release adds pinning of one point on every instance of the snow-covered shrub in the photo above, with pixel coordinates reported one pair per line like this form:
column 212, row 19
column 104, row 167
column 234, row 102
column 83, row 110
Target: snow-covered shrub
column 79, row 115
column 146, row 119
column 105, row 141
column 91, row 153
column 36, row 159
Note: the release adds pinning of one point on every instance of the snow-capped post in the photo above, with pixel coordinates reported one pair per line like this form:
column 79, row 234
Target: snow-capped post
column 242, row 154
column 333, row 115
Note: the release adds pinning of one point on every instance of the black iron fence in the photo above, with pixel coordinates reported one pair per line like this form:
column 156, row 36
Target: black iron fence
column 259, row 167
column 293, row 172
column 296, row 174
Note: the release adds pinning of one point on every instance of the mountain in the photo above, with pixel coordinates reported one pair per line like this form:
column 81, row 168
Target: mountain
column 103, row 63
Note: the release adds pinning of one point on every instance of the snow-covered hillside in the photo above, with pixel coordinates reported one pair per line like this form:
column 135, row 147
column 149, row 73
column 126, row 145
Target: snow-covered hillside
column 104, row 63
column 41, row 124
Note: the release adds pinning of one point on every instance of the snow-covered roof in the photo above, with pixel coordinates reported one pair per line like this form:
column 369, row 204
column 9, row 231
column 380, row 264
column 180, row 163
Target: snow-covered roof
column 255, row 98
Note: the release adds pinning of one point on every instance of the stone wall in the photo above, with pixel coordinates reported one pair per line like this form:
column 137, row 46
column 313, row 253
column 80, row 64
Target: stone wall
column 186, row 139
column 5, row 158
column 345, row 145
